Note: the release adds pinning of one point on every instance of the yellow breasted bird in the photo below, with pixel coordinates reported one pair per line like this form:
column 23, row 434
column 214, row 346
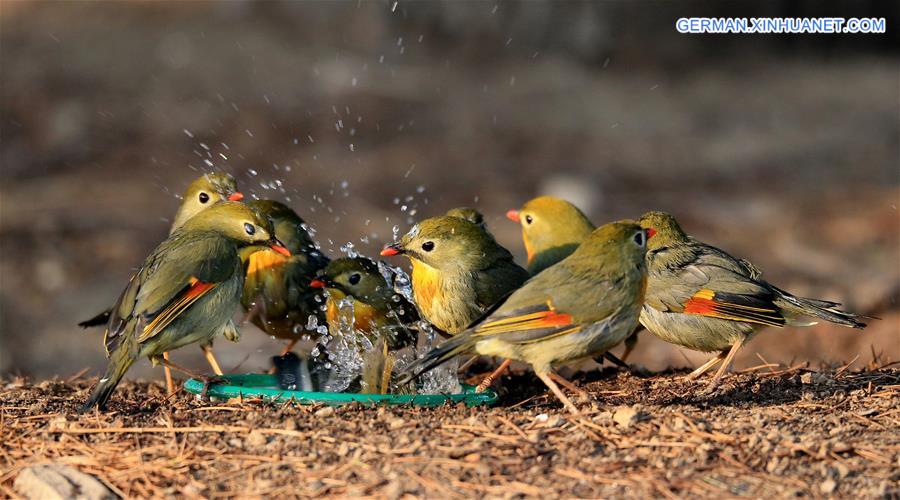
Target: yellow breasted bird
column 277, row 295
column 202, row 193
column 185, row 292
column 382, row 315
column 704, row 299
column 582, row 306
column 458, row 270
column 552, row 229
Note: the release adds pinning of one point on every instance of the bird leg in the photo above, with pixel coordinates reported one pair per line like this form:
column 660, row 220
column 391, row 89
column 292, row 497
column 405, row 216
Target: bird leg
column 705, row 366
column 386, row 373
column 630, row 342
column 252, row 312
column 581, row 393
column 725, row 364
column 290, row 345
column 211, row 359
column 170, row 385
column 493, row 376
column 559, row 394
column 614, row 360
column 164, row 360
column 467, row 364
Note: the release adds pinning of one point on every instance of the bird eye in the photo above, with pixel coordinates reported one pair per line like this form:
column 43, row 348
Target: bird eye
column 204, row 197
column 354, row 278
column 249, row 228
column 428, row 246
column 528, row 219
column 639, row 238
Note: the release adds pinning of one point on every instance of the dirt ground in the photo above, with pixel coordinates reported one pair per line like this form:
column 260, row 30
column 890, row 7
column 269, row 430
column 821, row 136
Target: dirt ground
column 767, row 431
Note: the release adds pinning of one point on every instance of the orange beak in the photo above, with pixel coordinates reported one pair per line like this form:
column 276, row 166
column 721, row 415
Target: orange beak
column 391, row 250
column 650, row 232
column 279, row 247
column 236, row 196
column 513, row 215
column 317, row 284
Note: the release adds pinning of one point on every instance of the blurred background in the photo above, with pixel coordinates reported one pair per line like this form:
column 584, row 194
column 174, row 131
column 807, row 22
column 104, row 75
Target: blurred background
column 366, row 115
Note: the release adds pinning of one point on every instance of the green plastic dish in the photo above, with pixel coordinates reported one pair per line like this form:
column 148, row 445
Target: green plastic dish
column 254, row 385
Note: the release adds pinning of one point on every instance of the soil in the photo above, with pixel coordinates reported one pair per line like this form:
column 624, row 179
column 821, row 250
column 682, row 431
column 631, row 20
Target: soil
column 766, row 431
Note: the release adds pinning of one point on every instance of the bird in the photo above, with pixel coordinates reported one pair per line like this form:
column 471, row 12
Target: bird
column 357, row 287
column 277, row 296
column 458, row 272
column 202, row 193
column 702, row 298
column 580, row 307
column 469, row 214
column 552, row 228
column 185, row 292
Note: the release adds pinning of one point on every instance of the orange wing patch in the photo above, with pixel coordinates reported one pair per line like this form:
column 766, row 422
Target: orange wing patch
column 708, row 303
column 196, row 290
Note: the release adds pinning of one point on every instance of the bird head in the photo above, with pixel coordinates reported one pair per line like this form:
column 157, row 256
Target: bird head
column 356, row 277
column 239, row 223
column 289, row 228
column 548, row 223
column 203, row 192
column 615, row 244
column 445, row 243
column 469, row 214
column 665, row 228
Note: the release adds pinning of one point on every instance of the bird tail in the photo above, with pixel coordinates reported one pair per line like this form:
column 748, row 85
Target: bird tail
column 119, row 363
column 98, row 320
column 816, row 308
column 448, row 349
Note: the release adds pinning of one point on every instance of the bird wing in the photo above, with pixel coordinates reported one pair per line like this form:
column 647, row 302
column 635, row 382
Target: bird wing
column 494, row 283
column 709, row 282
column 180, row 271
column 543, row 307
column 528, row 324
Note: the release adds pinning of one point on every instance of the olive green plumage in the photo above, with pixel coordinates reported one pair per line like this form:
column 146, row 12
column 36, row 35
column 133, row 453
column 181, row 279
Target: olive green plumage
column 276, row 292
column 582, row 306
column 458, row 271
column 202, row 193
column 469, row 214
column 551, row 230
column 702, row 298
column 185, row 292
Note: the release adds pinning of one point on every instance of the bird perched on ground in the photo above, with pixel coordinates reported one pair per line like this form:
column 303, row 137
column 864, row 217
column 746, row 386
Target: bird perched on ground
column 701, row 298
column 458, row 270
column 356, row 286
column 184, row 293
column 552, row 229
column 204, row 192
column 277, row 295
column 582, row 306
column 201, row 194
column 469, row 214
